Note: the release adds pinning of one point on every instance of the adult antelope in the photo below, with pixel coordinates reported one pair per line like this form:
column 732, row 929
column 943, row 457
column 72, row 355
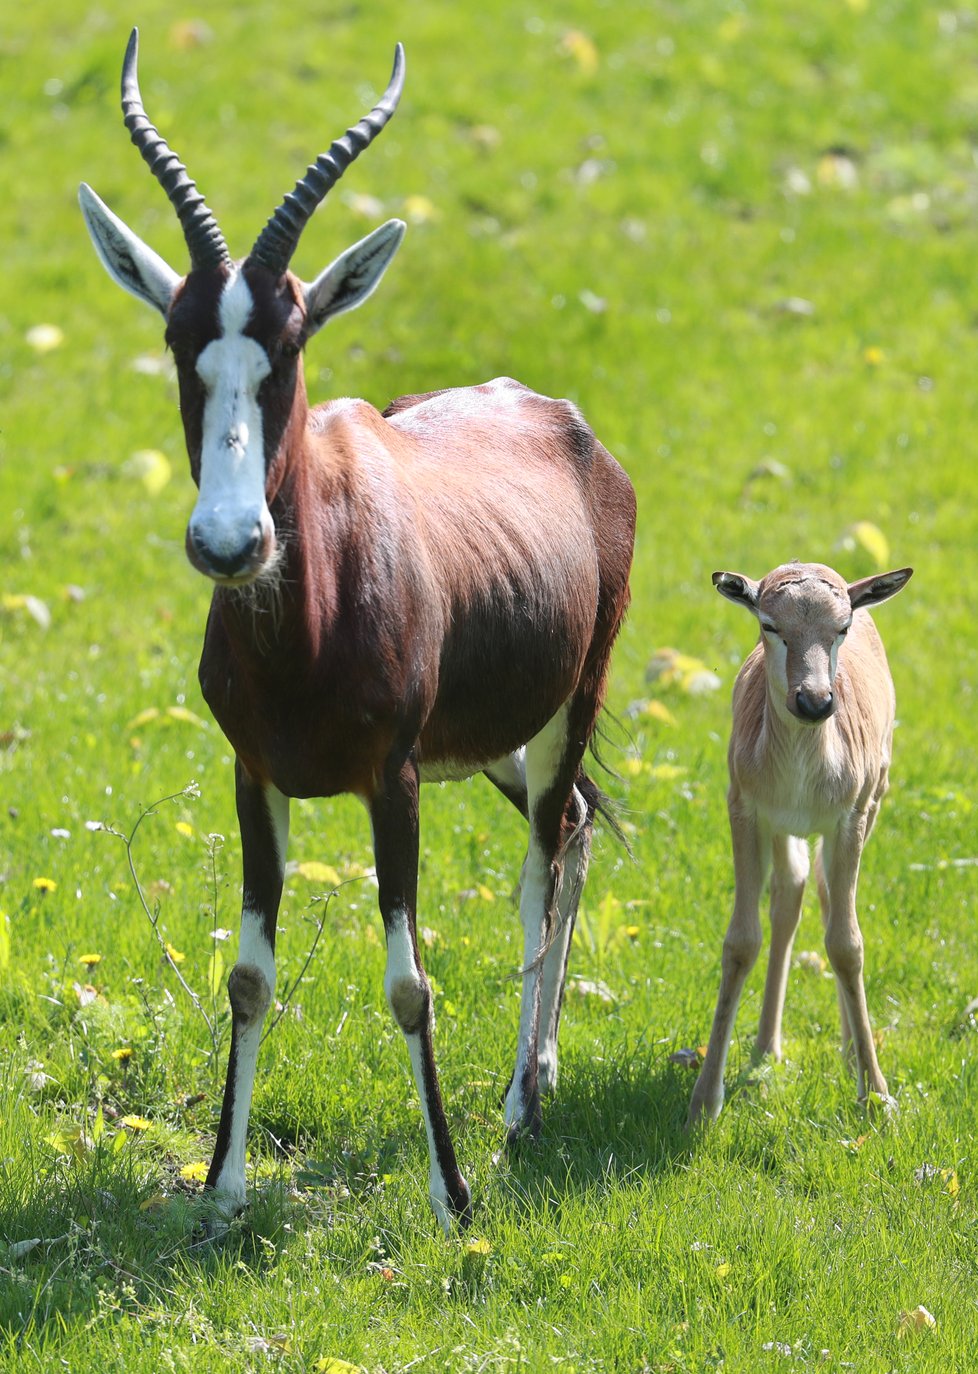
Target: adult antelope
column 813, row 710
column 421, row 594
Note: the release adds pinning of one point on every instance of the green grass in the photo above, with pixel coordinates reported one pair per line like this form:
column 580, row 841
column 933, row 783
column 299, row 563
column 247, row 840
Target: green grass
column 682, row 182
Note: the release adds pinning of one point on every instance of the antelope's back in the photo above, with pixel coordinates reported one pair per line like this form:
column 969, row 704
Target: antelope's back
column 531, row 522
column 482, row 447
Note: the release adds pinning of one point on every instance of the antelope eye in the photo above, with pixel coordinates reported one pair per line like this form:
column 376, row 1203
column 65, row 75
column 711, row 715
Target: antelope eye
column 769, row 629
column 289, row 350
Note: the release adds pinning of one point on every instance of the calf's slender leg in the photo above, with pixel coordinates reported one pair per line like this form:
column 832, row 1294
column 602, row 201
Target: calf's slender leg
column 741, row 945
column 394, row 817
column 823, row 899
column 789, row 872
column 263, row 815
column 841, row 853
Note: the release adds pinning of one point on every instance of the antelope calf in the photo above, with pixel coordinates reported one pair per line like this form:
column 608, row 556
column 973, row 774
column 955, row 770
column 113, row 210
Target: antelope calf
column 813, row 710
column 424, row 593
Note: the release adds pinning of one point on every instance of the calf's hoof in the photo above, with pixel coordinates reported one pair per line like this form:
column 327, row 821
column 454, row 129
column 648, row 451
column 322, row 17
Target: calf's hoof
column 880, row 1105
column 703, row 1110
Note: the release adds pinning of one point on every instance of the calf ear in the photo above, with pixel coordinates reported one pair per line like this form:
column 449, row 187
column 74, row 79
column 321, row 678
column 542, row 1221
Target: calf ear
column 125, row 257
column 737, row 588
column 348, row 281
column 870, row 591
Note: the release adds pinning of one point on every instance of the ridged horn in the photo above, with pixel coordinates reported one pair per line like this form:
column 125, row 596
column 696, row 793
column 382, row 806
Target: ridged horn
column 204, row 239
column 278, row 240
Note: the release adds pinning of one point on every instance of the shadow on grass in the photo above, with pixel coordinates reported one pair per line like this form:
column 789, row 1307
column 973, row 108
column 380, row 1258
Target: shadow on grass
column 110, row 1246
column 102, row 1237
column 608, row 1121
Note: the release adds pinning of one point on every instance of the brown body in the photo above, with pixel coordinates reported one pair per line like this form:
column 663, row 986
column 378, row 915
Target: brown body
column 813, row 711
column 477, row 514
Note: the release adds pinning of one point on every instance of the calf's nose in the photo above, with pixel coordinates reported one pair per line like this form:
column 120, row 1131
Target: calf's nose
column 814, row 706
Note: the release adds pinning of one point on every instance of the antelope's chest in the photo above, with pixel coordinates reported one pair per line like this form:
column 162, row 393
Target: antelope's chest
column 307, row 741
column 801, row 786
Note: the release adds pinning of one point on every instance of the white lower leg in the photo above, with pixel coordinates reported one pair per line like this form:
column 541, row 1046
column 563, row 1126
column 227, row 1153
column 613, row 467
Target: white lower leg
column 409, row 997
column 437, row 1188
column 251, row 986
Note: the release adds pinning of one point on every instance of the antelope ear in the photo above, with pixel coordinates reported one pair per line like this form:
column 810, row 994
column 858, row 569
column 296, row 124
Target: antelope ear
column 125, row 257
column 870, row 591
column 737, row 588
column 348, row 281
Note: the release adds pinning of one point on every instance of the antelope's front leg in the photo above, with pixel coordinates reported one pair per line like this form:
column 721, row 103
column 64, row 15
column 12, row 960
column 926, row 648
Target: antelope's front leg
column 751, row 850
column 394, row 816
column 263, row 815
column 841, row 853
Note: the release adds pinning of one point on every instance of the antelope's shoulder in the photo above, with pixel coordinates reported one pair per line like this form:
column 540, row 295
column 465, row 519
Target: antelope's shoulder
column 345, row 415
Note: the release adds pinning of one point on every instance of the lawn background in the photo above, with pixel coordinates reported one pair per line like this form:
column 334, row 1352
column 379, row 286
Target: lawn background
column 742, row 238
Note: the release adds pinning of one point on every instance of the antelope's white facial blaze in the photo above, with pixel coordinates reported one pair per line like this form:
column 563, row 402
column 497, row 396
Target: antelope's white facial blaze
column 231, row 535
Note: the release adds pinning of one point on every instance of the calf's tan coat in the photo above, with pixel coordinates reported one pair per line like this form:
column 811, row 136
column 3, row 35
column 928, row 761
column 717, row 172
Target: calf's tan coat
column 813, row 712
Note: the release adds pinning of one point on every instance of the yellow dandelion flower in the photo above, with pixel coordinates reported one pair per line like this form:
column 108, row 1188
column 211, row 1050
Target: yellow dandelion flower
column 136, row 1123
column 419, row 210
column 582, row 50
column 182, row 828
column 122, row 1054
column 89, row 960
column 194, row 1173
column 45, row 884
column 658, row 710
column 317, row 872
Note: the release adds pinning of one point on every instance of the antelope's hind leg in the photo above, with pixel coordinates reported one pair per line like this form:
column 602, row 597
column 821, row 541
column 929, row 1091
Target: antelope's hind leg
column 263, row 816
column 553, row 874
column 578, row 825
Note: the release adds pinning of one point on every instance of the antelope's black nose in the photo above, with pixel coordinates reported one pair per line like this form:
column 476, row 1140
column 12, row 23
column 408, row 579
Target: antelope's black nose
column 812, row 707
column 225, row 562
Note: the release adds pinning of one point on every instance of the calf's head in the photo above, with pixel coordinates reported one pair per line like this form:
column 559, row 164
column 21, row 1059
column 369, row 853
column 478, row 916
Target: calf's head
column 237, row 328
column 805, row 611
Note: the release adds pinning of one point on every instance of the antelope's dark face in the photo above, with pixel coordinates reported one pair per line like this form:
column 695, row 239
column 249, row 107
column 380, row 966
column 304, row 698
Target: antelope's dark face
column 237, row 351
column 237, row 329
column 805, row 612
